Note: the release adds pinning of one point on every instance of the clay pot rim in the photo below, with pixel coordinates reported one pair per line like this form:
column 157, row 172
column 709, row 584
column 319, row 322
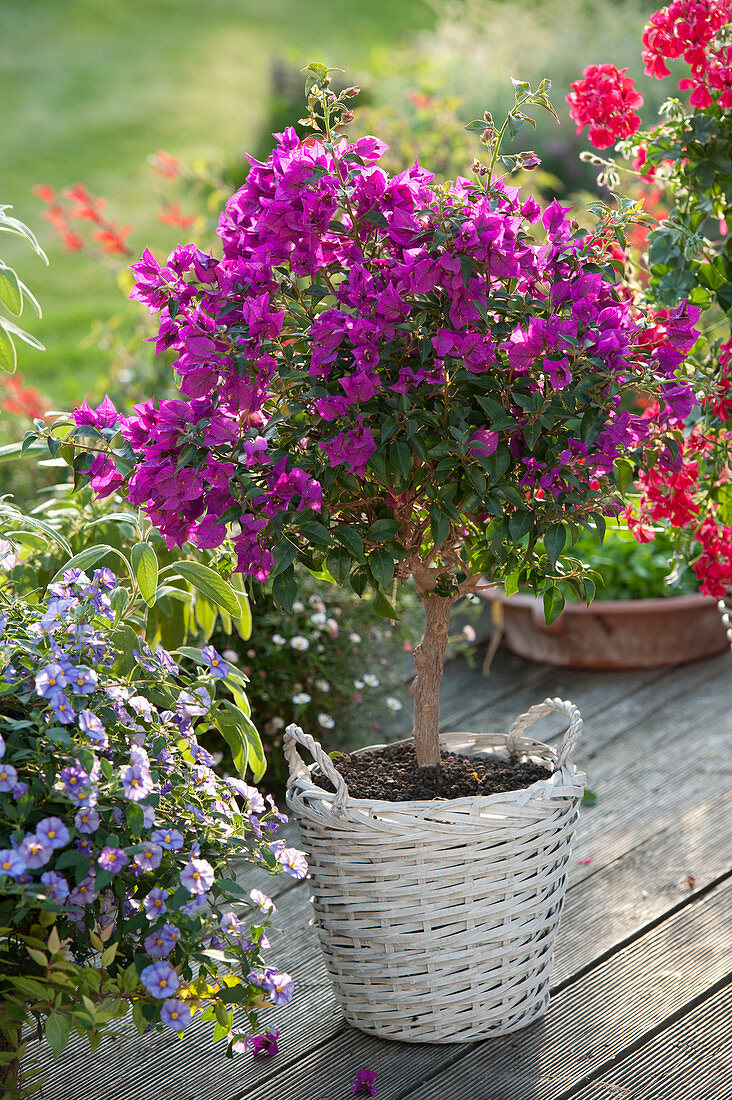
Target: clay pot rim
column 654, row 605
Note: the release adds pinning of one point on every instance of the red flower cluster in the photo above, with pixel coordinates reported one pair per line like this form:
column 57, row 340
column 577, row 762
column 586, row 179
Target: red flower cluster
column 21, row 400
column 687, row 28
column 172, row 214
column 714, row 567
column 669, row 495
column 81, row 206
column 166, row 166
column 605, row 100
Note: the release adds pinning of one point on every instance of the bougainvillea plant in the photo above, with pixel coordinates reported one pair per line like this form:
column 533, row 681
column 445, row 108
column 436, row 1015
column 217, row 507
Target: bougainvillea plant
column 385, row 379
column 685, row 163
column 116, row 834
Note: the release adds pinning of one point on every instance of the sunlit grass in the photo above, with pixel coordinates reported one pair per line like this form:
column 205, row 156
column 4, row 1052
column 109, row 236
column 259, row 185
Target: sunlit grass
column 90, row 88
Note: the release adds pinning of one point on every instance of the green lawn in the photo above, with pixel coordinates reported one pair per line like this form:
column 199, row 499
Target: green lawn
column 89, row 88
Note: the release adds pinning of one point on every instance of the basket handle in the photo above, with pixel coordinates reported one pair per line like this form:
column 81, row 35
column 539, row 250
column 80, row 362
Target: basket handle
column 540, row 710
column 295, row 736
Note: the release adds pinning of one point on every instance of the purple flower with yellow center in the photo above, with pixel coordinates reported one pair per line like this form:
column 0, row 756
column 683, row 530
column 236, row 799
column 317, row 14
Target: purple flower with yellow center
column 53, row 832
column 262, row 901
column 57, row 888
column 11, row 862
column 19, row 790
column 105, row 578
column 62, row 708
column 34, row 852
column 214, row 662
column 149, row 858
column 85, row 893
column 136, row 782
column 154, row 904
column 93, row 728
column 282, row 989
column 197, row 876
column 159, row 944
column 364, row 1083
column 76, row 781
column 265, row 1044
column 160, row 980
column 50, row 680
column 86, row 821
column 8, row 777
column 170, row 839
column 112, row 859
column 83, row 680
column 292, row 862
column 279, row 987
column 175, row 1014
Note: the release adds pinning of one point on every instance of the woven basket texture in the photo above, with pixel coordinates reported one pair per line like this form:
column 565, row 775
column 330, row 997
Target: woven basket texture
column 437, row 919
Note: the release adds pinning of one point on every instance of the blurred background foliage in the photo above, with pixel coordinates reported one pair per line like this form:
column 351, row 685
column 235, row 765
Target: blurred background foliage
column 91, row 90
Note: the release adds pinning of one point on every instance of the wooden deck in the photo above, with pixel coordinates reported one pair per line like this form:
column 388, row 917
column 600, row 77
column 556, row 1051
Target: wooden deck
column 642, row 988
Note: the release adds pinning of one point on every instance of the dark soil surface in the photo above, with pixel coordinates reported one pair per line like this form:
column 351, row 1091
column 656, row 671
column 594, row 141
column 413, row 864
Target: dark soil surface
column 391, row 774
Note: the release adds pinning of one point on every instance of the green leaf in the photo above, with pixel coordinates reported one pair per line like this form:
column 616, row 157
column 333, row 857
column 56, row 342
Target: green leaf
column 10, row 292
column 351, row 540
column 589, row 798
column 232, row 734
column 520, row 524
column 439, row 525
column 209, row 582
column 553, row 604
column 284, row 589
column 511, row 583
column 338, row 564
column 89, row 557
column 381, row 567
column 283, row 555
column 124, row 640
column 8, row 357
column 554, row 541
column 58, row 1028
column 383, row 530
column 145, row 568
column 316, row 533
column 383, row 608
column 400, row 456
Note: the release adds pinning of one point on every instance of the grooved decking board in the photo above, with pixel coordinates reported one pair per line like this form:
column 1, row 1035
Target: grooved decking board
column 164, row 1068
column 590, row 1023
column 600, row 911
column 690, row 1060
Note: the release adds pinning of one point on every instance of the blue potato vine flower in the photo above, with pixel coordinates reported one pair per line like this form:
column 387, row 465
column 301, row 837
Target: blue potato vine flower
column 114, row 829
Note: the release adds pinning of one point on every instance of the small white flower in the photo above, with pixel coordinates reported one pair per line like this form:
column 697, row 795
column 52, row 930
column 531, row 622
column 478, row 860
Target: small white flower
column 299, row 643
column 392, row 703
column 301, row 698
column 358, row 684
column 326, row 721
column 318, row 619
column 469, row 633
column 371, row 681
column 277, row 723
column 298, row 607
column 231, row 655
column 355, row 638
column 316, row 602
column 322, row 685
column 277, row 639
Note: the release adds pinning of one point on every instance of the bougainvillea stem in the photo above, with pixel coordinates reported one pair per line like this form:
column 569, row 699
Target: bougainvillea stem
column 429, row 659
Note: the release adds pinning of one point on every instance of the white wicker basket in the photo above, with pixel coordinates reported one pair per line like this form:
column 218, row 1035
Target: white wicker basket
column 437, row 919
